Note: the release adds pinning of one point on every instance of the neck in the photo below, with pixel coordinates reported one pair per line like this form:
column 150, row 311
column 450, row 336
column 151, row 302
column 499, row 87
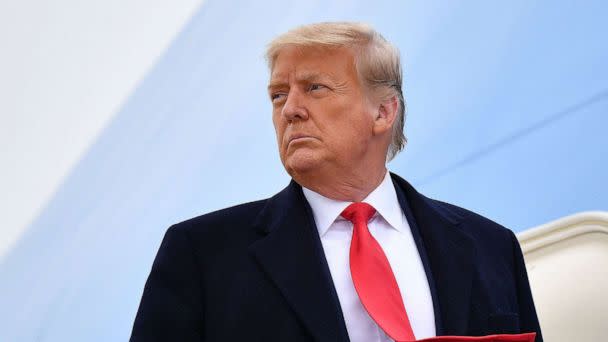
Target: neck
column 352, row 187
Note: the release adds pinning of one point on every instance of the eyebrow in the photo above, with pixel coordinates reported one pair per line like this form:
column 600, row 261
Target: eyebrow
column 308, row 77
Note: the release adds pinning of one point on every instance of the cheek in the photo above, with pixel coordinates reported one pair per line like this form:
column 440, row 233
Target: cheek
column 279, row 129
column 352, row 129
column 277, row 124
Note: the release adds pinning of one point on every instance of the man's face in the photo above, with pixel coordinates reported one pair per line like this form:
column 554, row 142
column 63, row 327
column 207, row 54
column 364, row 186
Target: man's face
column 321, row 114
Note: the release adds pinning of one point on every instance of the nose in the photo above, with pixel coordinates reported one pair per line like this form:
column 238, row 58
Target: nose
column 295, row 107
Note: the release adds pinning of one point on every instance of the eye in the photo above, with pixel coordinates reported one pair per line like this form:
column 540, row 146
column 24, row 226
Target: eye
column 316, row 86
column 278, row 96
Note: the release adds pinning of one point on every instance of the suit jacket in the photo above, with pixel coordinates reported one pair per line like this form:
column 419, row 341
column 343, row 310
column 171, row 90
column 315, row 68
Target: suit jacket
column 257, row 272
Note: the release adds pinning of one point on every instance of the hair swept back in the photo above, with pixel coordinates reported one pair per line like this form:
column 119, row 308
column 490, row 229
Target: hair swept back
column 377, row 62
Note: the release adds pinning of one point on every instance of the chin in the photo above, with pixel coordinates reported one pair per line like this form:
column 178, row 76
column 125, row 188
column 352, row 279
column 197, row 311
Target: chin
column 301, row 162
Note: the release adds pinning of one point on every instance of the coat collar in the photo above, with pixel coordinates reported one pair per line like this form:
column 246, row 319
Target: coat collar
column 291, row 254
column 451, row 255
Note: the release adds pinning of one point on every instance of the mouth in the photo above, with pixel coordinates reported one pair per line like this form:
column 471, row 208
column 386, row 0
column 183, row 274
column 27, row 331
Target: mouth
column 299, row 138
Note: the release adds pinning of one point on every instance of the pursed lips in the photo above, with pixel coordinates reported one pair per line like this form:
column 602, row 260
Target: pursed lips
column 297, row 137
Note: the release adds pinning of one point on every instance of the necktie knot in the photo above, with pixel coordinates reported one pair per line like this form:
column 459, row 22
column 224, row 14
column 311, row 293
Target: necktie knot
column 358, row 212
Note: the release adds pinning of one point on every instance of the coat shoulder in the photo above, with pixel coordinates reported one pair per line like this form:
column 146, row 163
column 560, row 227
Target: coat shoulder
column 492, row 241
column 468, row 221
column 223, row 221
column 472, row 222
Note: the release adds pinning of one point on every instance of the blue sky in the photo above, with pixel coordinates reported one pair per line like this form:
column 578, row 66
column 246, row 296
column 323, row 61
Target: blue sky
column 507, row 116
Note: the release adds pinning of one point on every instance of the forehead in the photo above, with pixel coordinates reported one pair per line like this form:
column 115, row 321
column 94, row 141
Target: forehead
column 306, row 62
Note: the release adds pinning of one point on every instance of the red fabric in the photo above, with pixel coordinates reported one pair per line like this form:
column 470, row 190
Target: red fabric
column 529, row 337
column 373, row 277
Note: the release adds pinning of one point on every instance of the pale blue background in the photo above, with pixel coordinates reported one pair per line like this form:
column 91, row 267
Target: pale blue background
column 508, row 110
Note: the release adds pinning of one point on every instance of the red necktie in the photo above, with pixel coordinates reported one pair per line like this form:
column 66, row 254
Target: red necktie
column 373, row 277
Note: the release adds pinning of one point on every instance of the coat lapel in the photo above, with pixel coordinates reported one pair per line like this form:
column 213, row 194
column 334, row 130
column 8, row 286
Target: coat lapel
column 292, row 256
column 451, row 257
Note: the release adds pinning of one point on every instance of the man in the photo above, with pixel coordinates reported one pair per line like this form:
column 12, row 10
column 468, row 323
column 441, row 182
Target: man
column 347, row 251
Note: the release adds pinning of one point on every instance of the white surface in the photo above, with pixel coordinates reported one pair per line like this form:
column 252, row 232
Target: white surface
column 66, row 67
column 567, row 262
column 392, row 231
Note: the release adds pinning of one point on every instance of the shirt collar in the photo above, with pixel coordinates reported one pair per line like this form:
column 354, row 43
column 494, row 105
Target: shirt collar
column 383, row 199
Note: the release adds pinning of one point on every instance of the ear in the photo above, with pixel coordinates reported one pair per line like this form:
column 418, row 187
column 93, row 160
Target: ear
column 386, row 115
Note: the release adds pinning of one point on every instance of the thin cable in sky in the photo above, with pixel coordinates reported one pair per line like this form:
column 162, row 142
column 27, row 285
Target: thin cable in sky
column 516, row 136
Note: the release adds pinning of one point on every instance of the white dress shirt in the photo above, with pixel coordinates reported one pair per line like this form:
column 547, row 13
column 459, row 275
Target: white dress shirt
column 390, row 228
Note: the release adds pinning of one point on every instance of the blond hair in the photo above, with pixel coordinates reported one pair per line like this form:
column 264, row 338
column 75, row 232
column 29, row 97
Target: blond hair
column 376, row 60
